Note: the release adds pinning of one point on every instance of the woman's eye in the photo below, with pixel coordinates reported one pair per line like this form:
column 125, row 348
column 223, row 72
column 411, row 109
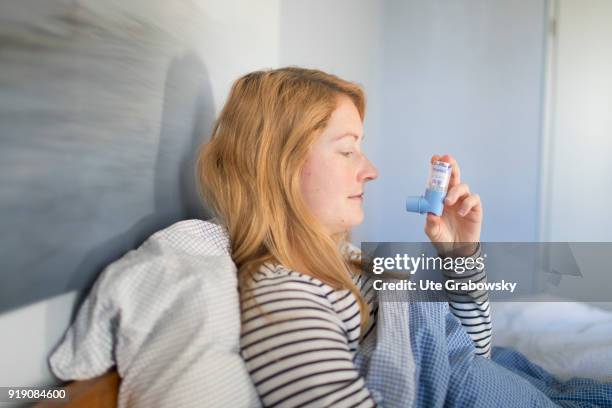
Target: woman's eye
column 346, row 154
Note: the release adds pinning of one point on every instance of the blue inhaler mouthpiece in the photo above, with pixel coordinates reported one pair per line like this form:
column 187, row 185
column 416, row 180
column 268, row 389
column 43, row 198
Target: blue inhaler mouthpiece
column 437, row 185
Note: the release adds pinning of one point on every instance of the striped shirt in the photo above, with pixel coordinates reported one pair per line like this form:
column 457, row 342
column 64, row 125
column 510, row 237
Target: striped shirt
column 299, row 335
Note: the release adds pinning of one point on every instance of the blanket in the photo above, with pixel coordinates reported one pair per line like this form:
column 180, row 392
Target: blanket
column 447, row 372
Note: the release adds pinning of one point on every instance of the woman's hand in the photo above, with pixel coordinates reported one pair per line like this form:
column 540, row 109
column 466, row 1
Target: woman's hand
column 457, row 231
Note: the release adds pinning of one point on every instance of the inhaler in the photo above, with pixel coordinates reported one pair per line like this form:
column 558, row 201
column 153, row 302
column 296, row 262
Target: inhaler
column 437, row 185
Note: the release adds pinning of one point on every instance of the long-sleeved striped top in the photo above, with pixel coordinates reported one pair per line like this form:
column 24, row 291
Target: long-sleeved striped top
column 299, row 336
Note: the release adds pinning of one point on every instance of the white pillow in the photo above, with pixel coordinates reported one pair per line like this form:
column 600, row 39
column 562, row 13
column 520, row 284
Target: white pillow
column 168, row 316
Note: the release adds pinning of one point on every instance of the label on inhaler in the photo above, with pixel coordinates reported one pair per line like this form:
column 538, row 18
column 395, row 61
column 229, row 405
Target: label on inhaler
column 439, row 176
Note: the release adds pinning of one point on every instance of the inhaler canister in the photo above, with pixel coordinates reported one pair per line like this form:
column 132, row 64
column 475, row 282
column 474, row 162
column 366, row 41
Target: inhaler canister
column 436, row 187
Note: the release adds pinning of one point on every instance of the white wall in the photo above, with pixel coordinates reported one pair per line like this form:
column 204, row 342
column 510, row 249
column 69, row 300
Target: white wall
column 343, row 37
column 464, row 78
column 28, row 334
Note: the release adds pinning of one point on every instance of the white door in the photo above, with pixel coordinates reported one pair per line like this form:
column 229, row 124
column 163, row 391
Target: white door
column 577, row 149
column 576, row 203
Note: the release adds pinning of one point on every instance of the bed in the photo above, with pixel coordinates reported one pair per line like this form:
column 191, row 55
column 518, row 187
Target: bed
column 567, row 338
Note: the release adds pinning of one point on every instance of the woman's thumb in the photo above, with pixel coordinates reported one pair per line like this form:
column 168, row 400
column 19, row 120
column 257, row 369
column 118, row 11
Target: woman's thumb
column 432, row 226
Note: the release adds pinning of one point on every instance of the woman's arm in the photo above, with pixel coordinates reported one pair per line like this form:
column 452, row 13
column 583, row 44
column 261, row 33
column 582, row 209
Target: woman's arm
column 459, row 224
column 472, row 307
column 298, row 354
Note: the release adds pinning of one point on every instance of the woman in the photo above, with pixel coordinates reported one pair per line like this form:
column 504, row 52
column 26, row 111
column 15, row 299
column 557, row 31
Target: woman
column 285, row 173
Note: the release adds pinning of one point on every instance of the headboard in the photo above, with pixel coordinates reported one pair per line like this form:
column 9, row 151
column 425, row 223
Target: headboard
column 102, row 109
column 99, row 392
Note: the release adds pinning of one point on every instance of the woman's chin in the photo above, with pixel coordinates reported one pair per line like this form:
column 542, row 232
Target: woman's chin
column 356, row 220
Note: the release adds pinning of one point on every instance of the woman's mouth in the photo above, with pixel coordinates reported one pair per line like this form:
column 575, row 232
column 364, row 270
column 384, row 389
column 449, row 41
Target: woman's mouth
column 357, row 197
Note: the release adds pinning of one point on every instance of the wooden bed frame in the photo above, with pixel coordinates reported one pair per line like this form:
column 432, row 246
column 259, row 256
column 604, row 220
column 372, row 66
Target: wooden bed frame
column 99, row 392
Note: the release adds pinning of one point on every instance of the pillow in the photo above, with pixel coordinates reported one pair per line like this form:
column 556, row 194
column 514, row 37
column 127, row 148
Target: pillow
column 167, row 315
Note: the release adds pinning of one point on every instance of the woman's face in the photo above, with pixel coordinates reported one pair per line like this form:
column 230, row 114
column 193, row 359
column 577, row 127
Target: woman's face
column 336, row 170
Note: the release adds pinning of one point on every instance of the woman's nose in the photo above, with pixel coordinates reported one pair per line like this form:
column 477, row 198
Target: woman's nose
column 370, row 172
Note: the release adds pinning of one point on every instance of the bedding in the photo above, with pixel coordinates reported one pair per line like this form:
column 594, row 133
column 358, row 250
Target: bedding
column 167, row 316
column 568, row 339
column 150, row 314
column 450, row 374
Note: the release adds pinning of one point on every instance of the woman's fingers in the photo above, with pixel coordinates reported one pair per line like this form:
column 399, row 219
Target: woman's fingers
column 432, row 226
column 470, row 203
column 461, row 194
column 455, row 193
column 456, row 173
